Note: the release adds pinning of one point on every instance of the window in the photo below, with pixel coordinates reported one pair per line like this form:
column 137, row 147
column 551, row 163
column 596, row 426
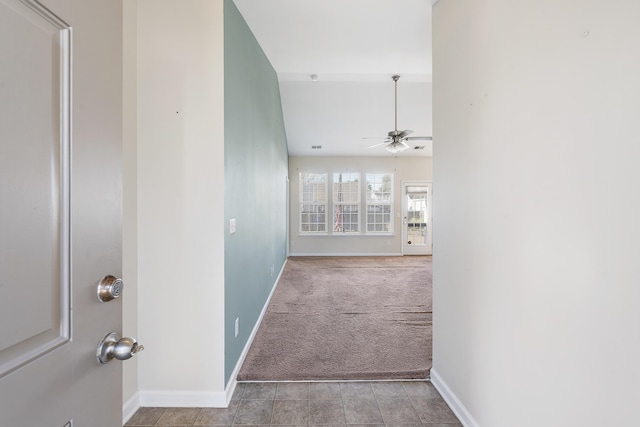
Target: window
column 346, row 202
column 313, row 202
column 334, row 204
column 379, row 202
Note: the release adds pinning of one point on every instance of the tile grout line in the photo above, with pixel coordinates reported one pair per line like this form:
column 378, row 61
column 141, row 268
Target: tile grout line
column 273, row 404
column 308, row 405
column 415, row 410
column 161, row 415
column 235, row 413
column 344, row 410
column 375, row 398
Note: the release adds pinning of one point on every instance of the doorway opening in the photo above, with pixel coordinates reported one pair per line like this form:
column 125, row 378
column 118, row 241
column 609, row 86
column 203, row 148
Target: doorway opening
column 417, row 218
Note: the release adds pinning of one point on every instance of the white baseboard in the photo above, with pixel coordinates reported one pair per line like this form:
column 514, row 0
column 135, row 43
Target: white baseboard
column 232, row 382
column 200, row 399
column 130, row 407
column 346, row 254
column 231, row 387
column 452, row 400
column 183, row 399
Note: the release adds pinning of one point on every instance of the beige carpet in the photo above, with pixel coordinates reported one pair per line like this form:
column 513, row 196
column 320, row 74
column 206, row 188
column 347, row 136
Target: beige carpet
column 346, row 318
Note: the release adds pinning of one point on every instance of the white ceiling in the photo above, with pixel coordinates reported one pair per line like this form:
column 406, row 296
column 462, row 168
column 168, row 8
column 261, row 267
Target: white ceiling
column 354, row 47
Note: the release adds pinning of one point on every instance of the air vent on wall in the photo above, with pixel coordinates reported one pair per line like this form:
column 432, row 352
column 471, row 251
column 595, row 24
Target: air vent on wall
column 316, row 147
column 419, row 147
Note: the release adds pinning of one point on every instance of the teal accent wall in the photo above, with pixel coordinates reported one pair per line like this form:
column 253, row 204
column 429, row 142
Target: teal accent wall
column 255, row 181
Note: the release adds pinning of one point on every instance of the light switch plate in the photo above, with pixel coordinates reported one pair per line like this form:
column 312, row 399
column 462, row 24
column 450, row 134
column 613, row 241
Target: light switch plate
column 232, row 226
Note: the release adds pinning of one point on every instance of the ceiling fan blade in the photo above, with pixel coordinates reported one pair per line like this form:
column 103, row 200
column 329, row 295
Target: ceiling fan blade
column 419, row 138
column 379, row 144
column 404, row 143
column 404, row 133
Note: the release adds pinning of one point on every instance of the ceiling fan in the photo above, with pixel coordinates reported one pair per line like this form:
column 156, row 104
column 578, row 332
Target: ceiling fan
column 396, row 140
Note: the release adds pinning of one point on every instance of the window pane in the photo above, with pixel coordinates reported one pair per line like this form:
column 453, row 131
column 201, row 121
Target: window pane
column 379, row 218
column 379, row 187
column 313, row 187
column 346, row 202
column 345, row 218
column 346, row 187
column 313, row 200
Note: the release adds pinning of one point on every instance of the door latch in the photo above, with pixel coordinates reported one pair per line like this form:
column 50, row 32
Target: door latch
column 114, row 347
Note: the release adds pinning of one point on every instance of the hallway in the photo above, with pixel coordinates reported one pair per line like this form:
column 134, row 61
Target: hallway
column 365, row 318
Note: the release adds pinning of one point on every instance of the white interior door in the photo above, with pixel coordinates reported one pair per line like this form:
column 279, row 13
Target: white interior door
column 60, row 144
column 417, row 218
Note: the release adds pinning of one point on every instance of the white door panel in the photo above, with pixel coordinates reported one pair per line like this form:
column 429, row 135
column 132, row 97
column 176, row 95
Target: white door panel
column 59, row 211
column 35, row 346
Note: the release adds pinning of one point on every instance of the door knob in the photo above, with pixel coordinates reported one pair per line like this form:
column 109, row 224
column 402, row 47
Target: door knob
column 110, row 287
column 112, row 346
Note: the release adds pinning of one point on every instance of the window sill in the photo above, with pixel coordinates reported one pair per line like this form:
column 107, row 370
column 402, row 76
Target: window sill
column 348, row 235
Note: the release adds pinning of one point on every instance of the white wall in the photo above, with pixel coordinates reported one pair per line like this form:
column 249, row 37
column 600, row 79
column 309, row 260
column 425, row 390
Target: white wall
column 358, row 109
column 404, row 169
column 536, row 152
column 180, row 202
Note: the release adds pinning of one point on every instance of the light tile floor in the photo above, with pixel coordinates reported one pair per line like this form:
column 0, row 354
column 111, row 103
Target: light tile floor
column 328, row 404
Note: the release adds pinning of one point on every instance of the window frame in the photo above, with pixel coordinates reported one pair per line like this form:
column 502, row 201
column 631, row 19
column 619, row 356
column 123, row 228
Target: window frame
column 329, row 205
column 315, row 204
column 390, row 202
column 337, row 204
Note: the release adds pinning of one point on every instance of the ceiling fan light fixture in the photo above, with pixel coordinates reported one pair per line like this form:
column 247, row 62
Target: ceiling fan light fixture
column 395, row 148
